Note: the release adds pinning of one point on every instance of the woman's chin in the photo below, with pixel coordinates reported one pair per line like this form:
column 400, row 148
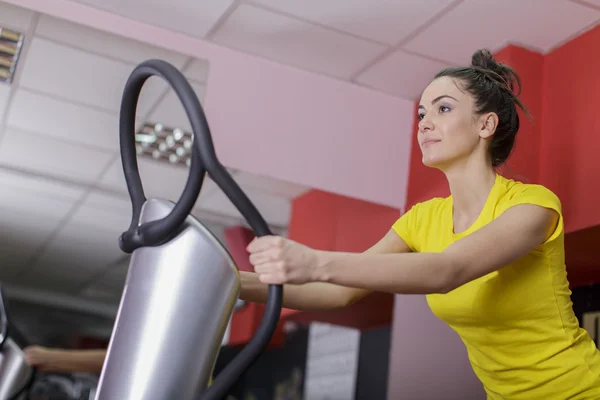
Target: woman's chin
column 432, row 162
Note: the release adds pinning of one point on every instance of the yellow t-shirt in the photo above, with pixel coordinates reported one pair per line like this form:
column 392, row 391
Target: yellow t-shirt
column 521, row 334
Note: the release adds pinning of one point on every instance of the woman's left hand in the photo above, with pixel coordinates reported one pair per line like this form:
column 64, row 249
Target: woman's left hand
column 277, row 261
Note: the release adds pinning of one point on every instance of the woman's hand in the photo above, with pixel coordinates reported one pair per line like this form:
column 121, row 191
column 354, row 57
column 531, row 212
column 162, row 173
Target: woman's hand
column 277, row 261
column 39, row 357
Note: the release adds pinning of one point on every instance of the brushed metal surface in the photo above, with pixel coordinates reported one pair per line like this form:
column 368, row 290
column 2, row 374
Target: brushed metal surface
column 176, row 305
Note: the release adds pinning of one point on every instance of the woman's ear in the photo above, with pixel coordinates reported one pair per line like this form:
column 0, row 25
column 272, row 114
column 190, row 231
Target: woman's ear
column 487, row 125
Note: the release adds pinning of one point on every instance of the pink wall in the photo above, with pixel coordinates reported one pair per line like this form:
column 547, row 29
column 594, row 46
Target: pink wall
column 301, row 117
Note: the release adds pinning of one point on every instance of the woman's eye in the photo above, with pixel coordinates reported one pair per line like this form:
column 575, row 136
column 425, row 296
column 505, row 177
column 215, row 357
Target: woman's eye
column 444, row 108
column 421, row 116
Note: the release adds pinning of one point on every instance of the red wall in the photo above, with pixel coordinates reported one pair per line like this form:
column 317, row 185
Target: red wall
column 331, row 222
column 570, row 146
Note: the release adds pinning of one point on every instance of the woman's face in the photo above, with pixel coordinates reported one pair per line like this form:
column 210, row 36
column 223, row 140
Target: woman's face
column 449, row 129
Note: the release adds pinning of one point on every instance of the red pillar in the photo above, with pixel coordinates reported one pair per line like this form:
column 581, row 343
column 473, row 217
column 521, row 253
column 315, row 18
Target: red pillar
column 331, row 222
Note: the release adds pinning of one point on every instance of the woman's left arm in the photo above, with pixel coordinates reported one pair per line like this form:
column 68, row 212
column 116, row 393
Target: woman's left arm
column 512, row 235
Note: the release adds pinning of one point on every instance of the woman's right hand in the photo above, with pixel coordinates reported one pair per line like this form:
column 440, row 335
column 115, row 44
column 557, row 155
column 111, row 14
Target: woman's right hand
column 39, row 357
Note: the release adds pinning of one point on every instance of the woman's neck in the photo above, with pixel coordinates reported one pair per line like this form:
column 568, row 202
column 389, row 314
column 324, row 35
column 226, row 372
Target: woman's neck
column 470, row 187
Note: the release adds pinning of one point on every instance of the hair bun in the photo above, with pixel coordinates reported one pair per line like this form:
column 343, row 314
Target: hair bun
column 484, row 59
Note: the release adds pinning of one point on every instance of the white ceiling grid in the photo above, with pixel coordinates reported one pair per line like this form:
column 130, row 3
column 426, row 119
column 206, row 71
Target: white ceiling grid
column 390, row 46
column 63, row 201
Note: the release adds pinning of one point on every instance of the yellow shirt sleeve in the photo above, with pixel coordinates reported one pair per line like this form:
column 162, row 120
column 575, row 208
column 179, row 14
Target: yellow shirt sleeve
column 405, row 227
column 540, row 196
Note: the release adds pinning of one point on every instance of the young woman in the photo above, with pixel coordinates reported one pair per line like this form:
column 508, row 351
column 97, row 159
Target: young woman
column 490, row 257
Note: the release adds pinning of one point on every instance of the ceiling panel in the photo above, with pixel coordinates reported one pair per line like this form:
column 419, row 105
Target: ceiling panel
column 78, row 76
column 274, row 209
column 461, row 36
column 27, row 202
column 198, row 71
column 104, row 43
column 4, row 96
column 82, row 246
column 401, row 74
column 294, row 42
column 158, row 178
column 23, row 232
column 104, row 4
column 14, row 17
column 39, row 186
column 64, row 120
column 270, row 185
column 50, row 156
column 380, row 20
column 170, row 111
column 117, row 203
column 192, row 17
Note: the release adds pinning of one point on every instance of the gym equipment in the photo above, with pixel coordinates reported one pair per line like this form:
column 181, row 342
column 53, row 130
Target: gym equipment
column 16, row 376
column 182, row 284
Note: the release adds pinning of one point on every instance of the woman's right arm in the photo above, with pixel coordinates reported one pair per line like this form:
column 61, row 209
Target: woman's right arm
column 63, row 360
column 318, row 296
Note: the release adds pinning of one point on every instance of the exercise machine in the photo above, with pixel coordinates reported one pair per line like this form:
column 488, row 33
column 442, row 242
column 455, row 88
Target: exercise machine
column 16, row 376
column 182, row 284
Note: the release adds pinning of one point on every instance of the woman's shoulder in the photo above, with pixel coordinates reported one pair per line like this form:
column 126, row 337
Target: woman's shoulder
column 516, row 192
column 431, row 206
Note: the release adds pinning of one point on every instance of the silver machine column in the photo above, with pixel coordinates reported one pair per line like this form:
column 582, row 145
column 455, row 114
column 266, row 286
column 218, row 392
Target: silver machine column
column 182, row 284
column 16, row 376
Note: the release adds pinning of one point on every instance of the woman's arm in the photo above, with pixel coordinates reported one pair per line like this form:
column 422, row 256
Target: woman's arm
column 59, row 360
column 319, row 295
column 506, row 239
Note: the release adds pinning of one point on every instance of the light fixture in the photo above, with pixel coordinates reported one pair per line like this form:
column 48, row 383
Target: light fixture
column 11, row 43
column 166, row 144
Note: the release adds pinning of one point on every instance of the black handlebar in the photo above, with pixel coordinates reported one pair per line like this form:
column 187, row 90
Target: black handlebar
column 203, row 160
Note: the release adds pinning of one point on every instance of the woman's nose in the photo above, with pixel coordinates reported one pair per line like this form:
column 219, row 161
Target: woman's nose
column 425, row 124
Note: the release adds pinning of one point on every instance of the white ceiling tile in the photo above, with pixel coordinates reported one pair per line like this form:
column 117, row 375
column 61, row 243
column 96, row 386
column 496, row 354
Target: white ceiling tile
column 4, row 95
column 170, row 111
column 83, row 246
column 14, row 17
column 380, row 20
column 118, row 203
column 198, row 71
column 287, row 40
column 462, row 36
column 401, row 74
column 25, row 231
column 274, row 209
column 270, row 185
column 191, row 17
column 39, row 186
column 78, row 75
column 104, row 43
column 64, row 120
column 104, row 4
column 28, row 202
column 49, row 156
column 160, row 180
column 99, row 211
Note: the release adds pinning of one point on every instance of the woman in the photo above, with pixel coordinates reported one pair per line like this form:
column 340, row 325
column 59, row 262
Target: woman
column 490, row 257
